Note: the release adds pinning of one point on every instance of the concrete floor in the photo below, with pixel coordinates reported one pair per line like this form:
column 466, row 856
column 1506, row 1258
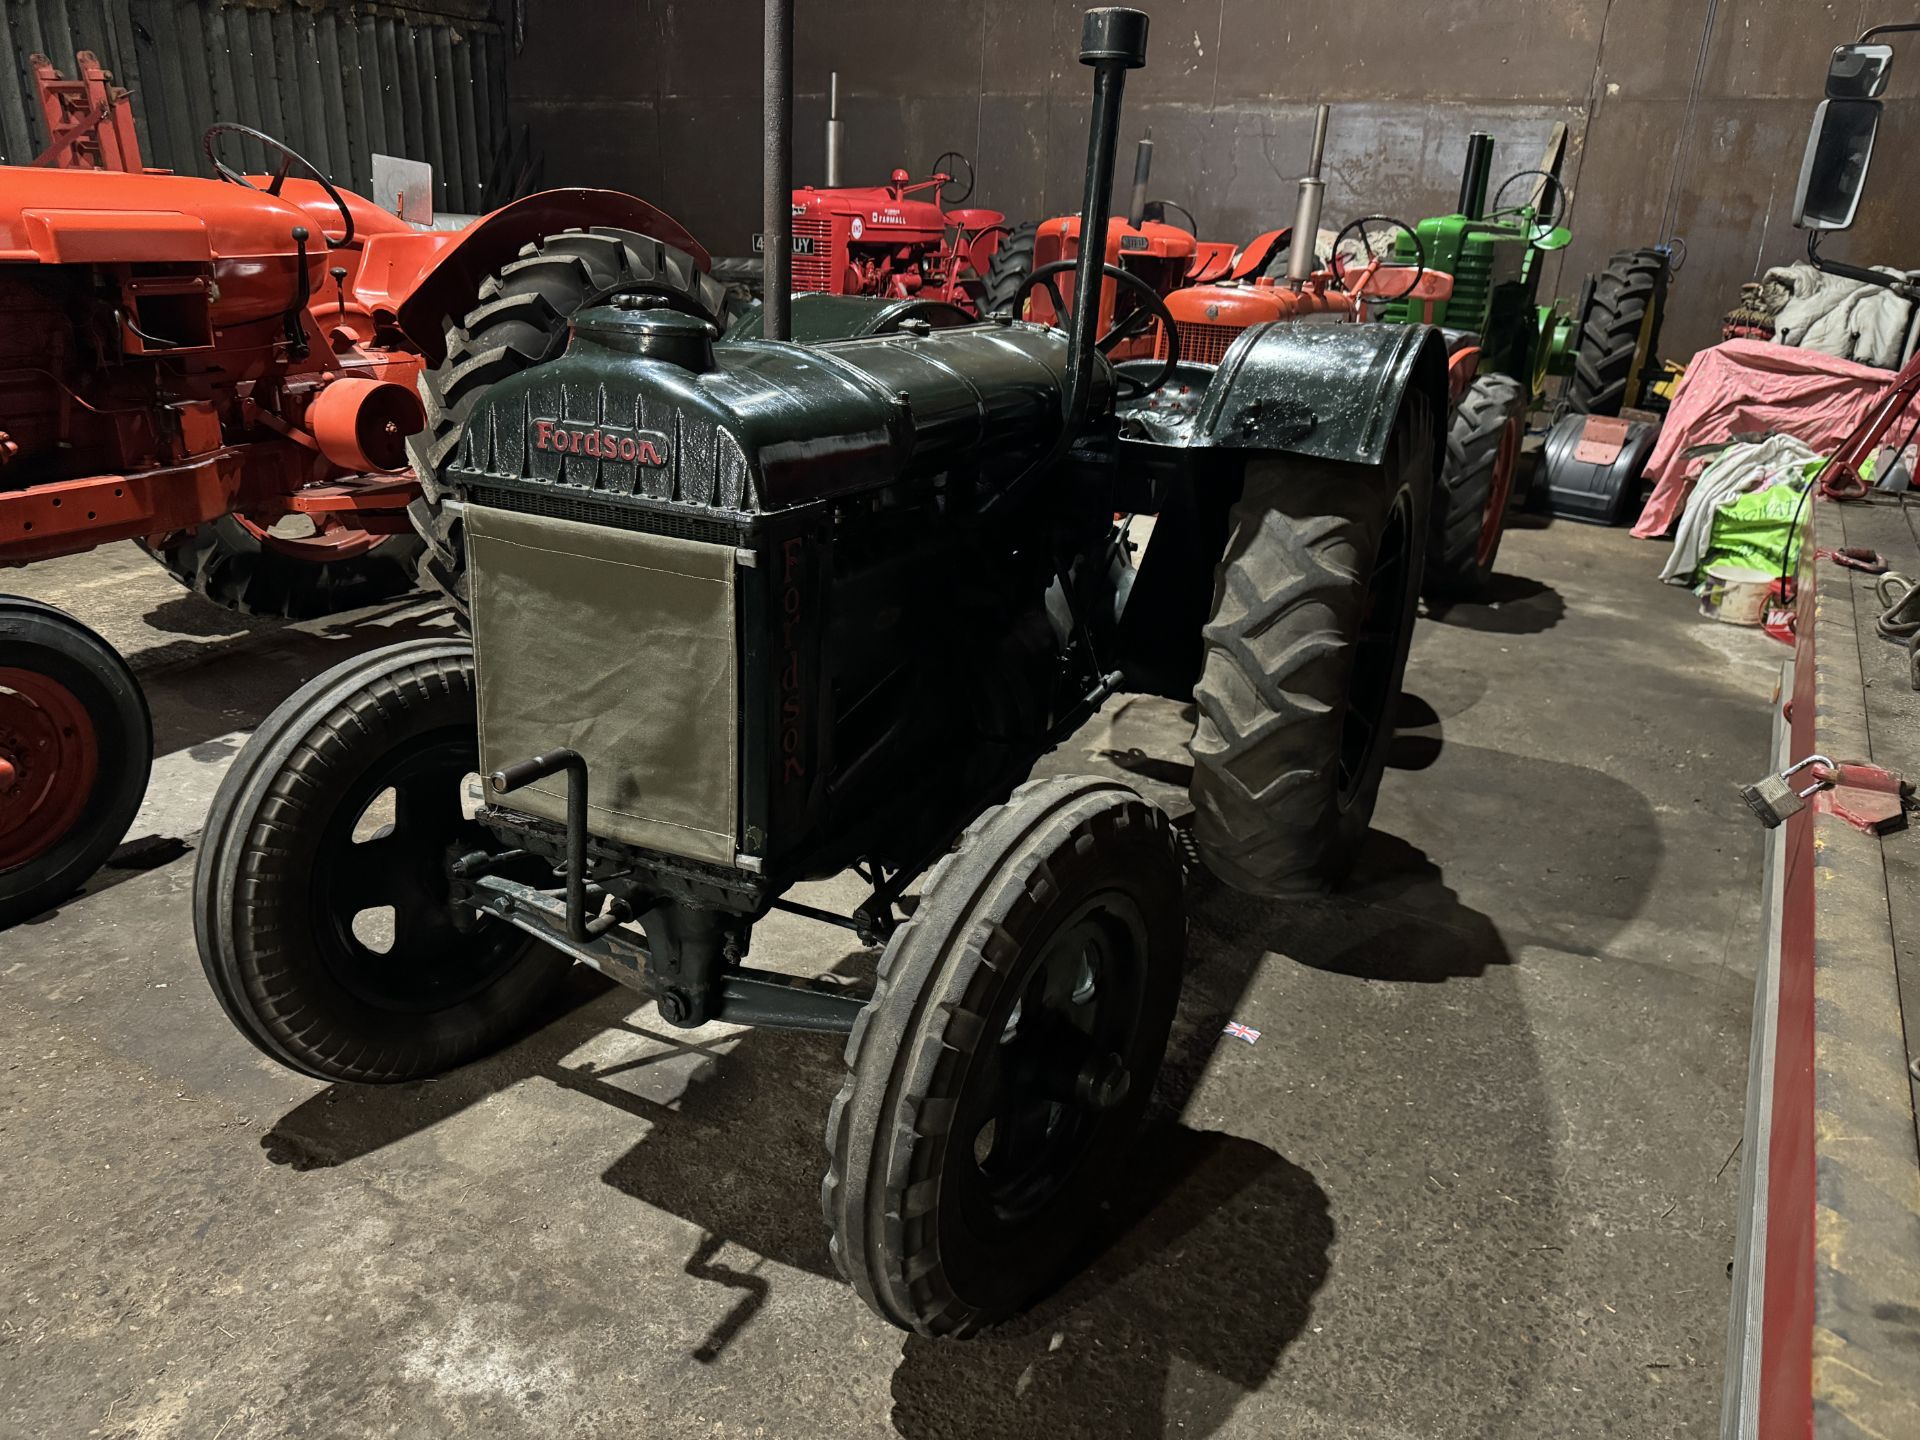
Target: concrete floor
column 1475, row 1179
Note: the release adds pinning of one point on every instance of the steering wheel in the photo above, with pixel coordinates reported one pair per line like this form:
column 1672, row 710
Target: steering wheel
column 288, row 159
column 1156, row 210
column 1152, row 308
column 1552, row 205
column 940, row 168
column 1363, row 227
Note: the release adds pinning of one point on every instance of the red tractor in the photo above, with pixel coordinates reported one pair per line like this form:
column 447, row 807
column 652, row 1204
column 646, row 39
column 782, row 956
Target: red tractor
column 897, row 241
column 224, row 371
column 1216, row 292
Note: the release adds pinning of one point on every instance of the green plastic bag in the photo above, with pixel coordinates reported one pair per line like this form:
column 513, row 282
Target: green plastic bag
column 1756, row 531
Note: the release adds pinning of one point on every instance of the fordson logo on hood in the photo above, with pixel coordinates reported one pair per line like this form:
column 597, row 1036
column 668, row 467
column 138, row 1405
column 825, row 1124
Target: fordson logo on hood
column 603, row 442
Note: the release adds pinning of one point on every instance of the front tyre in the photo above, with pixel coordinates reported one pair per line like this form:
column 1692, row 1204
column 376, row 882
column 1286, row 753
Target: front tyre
column 322, row 898
column 76, row 747
column 1304, row 656
column 1006, row 1058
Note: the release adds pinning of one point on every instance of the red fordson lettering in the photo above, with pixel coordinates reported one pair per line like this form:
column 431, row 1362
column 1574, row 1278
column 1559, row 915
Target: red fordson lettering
column 604, row 442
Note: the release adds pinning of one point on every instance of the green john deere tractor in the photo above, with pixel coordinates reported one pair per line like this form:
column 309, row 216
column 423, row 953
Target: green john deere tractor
column 1603, row 343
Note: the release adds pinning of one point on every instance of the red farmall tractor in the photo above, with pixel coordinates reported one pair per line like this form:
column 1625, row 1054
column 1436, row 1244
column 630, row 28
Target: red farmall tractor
column 224, row 371
column 905, row 240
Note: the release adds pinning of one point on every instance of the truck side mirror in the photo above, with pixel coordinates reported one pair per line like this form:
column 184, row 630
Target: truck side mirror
column 1834, row 169
column 1859, row 72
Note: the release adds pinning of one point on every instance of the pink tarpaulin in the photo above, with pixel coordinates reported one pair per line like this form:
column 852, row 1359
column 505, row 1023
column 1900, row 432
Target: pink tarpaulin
column 1747, row 387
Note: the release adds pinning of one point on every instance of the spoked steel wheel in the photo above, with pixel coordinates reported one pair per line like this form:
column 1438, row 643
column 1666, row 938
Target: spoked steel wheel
column 1007, row 1056
column 324, row 900
column 76, row 746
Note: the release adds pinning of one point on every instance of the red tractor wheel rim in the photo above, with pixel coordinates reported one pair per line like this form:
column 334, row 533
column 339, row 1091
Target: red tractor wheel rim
column 49, row 759
column 332, row 539
column 1505, row 461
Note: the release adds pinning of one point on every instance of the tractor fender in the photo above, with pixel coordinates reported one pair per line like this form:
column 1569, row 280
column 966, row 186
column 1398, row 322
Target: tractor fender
column 1327, row 390
column 424, row 279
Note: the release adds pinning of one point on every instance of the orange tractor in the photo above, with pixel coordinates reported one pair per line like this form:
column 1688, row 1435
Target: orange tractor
column 1216, row 292
column 226, row 371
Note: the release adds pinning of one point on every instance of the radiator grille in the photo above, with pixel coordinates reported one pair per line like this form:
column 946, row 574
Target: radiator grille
column 815, row 271
column 600, row 512
column 1199, row 344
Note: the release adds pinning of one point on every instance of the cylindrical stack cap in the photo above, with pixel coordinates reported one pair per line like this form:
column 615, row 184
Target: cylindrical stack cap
column 1114, row 32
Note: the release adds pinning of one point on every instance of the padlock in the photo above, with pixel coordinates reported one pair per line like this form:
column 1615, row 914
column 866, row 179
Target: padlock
column 1774, row 798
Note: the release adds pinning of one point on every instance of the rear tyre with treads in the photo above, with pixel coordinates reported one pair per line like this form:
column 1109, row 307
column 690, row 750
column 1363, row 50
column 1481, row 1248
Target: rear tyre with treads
column 1009, row 267
column 1476, row 483
column 521, row 321
column 1619, row 332
column 1304, row 655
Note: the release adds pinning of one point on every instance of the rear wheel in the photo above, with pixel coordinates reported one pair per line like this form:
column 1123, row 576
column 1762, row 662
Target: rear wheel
column 76, row 747
column 295, row 568
column 323, row 897
column 1009, row 268
column 1005, row 1061
column 521, row 321
column 1619, row 332
column 1304, row 655
column 1476, row 482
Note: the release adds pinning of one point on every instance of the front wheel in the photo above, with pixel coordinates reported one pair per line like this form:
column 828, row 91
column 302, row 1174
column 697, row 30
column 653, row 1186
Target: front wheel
column 323, row 900
column 1006, row 1058
column 1304, row 655
column 76, row 747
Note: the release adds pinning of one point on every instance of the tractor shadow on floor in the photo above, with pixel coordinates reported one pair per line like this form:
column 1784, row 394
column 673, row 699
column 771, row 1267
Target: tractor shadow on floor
column 1509, row 605
column 734, row 1145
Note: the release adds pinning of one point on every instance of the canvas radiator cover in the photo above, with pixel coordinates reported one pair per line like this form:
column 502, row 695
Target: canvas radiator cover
column 619, row 645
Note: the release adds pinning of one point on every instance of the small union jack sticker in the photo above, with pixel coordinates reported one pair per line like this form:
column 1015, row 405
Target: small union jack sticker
column 1242, row 1032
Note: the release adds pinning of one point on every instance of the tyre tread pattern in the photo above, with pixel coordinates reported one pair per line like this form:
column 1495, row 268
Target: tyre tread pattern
column 1278, row 658
column 521, row 321
column 289, row 767
column 1608, row 346
column 926, row 1013
column 1491, row 404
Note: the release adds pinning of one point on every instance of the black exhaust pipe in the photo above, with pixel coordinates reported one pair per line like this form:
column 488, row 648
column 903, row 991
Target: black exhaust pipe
column 776, row 172
column 1142, row 172
column 1474, row 177
column 1113, row 41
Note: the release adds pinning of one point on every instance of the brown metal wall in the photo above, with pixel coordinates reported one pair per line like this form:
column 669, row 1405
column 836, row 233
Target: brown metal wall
column 338, row 81
column 1694, row 108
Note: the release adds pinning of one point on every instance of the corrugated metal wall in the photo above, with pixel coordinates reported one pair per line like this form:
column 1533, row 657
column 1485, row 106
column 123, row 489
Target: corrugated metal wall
column 338, row 82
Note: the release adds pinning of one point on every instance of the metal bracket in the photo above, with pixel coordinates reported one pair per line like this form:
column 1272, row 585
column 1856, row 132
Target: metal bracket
column 746, row 997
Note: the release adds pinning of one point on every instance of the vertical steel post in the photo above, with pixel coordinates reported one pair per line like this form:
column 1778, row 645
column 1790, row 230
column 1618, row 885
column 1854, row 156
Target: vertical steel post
column 776, row 175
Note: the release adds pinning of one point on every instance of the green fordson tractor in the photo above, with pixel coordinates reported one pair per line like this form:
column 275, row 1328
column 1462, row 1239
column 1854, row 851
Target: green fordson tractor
column 1602, row 343
column 752, row 612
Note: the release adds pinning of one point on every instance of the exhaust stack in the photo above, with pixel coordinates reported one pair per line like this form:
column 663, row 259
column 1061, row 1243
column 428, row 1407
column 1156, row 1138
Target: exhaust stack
column 1142, row 169
column 1306, row 212
column 833, row 130
column 1473, row 179
column 1113, row 41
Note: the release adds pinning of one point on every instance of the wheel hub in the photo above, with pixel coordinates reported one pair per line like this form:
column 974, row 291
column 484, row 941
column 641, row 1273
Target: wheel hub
column 49, row 759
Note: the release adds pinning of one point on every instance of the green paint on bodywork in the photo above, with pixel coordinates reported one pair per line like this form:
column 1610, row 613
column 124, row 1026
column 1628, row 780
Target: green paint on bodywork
column 1495, row 265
